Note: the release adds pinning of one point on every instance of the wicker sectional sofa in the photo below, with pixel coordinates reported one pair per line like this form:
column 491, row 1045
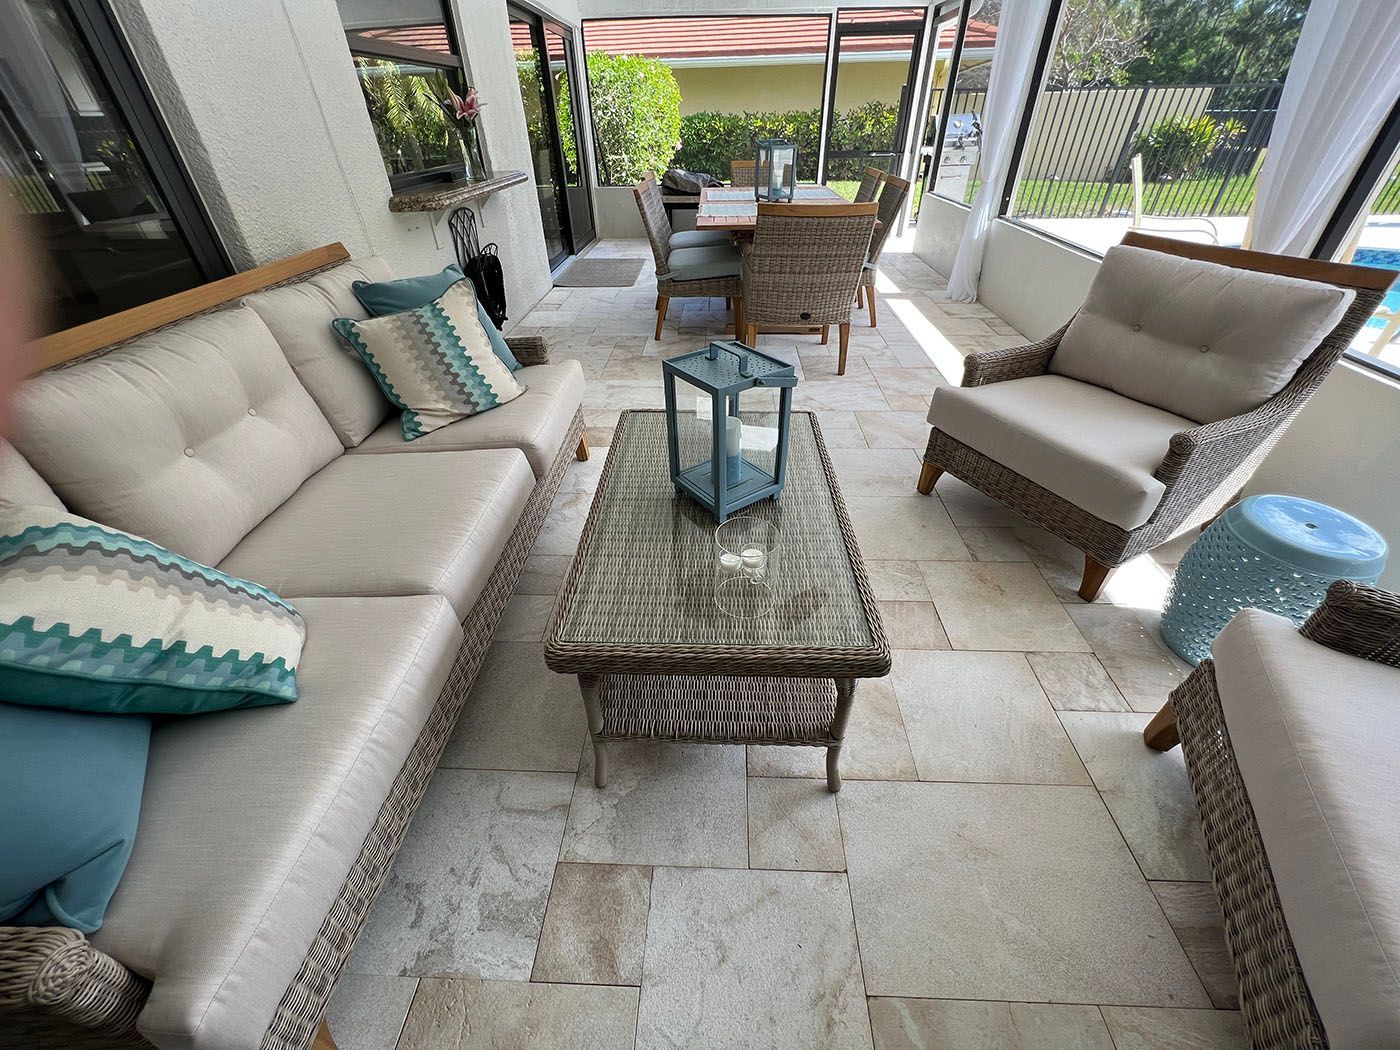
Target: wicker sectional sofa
column 242, row 435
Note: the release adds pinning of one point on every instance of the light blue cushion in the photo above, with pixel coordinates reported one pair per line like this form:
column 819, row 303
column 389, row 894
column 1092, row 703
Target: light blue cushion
column 703, row 264
column 70, row 795
column 699, row 239
column 93, row 619
column 394, row 297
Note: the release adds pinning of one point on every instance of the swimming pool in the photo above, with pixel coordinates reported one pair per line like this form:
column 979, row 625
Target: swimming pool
column 1387, row 258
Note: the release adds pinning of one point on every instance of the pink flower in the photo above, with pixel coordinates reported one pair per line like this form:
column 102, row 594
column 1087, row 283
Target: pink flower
column 463, row 109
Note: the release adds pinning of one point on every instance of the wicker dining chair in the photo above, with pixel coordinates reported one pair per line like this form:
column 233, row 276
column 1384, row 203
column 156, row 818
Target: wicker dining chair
column 803, row 266
column 1121, row 450
column 684, row 238
column 869, row 183
column 894, row 191
column 742, row 172
column 686, row 273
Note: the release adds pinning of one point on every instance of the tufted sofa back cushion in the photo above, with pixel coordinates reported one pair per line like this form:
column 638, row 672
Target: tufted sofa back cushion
column 1195, row 338
column 300, row 315
column 187, row 437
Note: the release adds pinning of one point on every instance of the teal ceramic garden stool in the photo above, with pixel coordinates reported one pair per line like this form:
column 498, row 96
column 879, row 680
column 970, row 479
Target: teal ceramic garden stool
column 1276, row 553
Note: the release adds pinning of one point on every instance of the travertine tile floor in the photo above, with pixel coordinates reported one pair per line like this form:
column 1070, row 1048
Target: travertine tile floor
column 1007, row 866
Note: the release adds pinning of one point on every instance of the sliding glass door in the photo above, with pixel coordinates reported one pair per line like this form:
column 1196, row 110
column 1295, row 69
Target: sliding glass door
column 544, row 59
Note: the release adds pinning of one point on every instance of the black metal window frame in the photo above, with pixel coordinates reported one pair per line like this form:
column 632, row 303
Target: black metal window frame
column 945, row 104
column 1377, row 165
column 452, row 63
column 597, row 181
column 833, row 73
column 121, row 75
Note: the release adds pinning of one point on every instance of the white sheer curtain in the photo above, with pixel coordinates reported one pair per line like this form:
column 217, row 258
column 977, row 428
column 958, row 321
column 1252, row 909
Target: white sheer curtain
column 1018, row 38
column 1344, row 78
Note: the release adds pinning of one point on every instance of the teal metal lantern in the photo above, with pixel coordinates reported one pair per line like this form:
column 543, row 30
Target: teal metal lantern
column 775, row 170
column 719, row 459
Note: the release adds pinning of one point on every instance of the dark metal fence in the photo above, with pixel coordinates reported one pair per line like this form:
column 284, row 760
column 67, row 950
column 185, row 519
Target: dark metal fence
column 1200, row 145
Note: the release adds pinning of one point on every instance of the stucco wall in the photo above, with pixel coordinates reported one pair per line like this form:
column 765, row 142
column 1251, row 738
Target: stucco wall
column 1344, row 447
column 784, row 86
column 263, row 102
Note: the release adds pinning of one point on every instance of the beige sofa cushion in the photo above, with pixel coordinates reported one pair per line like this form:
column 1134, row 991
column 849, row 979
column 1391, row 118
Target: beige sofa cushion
column 536, row 422
column 252, row 819
column 20, row 483
column 300, row 317
column 1315, row 735
column 187, row 437
column 1195, row 338
column 391, row 524
column 1086, row 444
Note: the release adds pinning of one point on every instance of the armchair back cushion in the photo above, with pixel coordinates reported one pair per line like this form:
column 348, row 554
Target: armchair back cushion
column 188, row 436
column 20, row 483
column 1194, row 338
column 300, row 316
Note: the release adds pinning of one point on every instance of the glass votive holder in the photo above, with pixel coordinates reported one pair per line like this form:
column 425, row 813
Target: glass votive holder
column 746, row 563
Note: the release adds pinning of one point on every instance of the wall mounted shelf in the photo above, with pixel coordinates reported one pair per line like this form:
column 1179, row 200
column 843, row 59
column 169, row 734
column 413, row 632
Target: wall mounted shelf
column 443, row 195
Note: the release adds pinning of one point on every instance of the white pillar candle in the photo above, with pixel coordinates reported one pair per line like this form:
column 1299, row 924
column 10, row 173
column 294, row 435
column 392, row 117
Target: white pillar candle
column 730, row 562
column 754, row 559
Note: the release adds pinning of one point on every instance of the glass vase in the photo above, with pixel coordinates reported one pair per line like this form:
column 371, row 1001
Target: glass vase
column 472, row 155
column 746, row 565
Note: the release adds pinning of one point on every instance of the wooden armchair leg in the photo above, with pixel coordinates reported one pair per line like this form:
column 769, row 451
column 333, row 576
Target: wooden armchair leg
column 323, row 1039
column 860, row 296
column 928, row 477
column 1161, row 734
column 826, row 334
column 1095, row 576
column 845, row 330
column 582, row 451
column 662, row 301
column 870, row 301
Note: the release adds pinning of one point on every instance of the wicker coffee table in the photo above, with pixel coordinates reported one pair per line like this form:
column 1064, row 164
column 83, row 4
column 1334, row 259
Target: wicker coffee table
column 655, row 657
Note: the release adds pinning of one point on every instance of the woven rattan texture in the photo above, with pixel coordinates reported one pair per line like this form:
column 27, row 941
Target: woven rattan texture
column 101, row 993
column 1275, row 1004
column 639, row 598
column 721, row 710
column 1359, row 620
column 658, row 229
column 1203, row 469
column 804, row 269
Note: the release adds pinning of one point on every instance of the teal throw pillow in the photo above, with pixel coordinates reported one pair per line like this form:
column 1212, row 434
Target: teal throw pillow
column 409, row 293
column 93, row 619
column 70, row 796
column 433, row 362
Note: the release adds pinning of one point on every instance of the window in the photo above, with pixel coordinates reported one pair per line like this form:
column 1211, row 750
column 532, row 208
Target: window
column 1154, row 116
column 1366, row 231
column 962, row 62
column 98, row 182
column 694, row 92
column 407, row 61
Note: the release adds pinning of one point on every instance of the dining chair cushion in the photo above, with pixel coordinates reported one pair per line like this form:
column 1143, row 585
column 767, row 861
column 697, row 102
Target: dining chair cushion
column 703, row 264
column 1195, row 338
column 699, row 239
column 1088, row 445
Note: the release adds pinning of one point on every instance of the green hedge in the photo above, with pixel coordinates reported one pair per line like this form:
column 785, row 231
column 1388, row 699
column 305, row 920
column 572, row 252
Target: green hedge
column 709, row 141
column 636, row 116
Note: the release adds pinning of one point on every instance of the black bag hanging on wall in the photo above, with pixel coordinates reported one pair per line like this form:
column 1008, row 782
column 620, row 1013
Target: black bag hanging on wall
column 480, row 263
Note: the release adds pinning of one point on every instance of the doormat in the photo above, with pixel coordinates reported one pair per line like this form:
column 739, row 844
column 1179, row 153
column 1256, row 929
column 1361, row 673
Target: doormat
column 600, row 273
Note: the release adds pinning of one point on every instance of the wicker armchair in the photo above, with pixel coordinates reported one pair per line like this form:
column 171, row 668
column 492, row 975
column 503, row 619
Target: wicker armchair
column 894, row 191
column 700, row 272
column 743, row 172
column 1276, row 1002
column 1202, row 468
column 685, row 238
column 869, row 183
column 803, row 266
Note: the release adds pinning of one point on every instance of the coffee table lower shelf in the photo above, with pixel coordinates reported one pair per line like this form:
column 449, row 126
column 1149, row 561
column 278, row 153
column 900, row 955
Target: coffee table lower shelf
column 717, row 709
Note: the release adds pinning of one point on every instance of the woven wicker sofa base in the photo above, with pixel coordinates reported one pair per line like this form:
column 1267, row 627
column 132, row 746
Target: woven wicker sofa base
column 1275, row 1002
column 304, row 1004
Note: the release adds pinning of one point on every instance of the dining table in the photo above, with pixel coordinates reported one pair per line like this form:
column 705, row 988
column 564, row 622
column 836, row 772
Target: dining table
column 735, row 209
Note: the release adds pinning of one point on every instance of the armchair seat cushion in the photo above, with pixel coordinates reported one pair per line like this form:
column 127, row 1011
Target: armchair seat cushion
column 536, row 422
column 1196, row 338
column 1313, row 732
column 703, row 264
column 1090, row 446
column 400, row 523
column 699, row 239
column 252, row 820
